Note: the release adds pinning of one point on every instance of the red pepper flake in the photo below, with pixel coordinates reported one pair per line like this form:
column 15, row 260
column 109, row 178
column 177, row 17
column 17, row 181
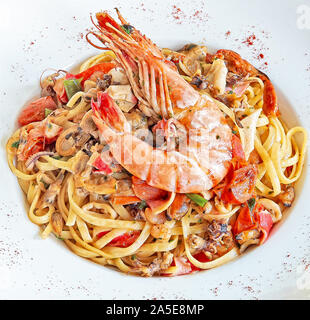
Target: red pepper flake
column 261, row 56
column 177, row 13
column 227, row 34
column 250, row 40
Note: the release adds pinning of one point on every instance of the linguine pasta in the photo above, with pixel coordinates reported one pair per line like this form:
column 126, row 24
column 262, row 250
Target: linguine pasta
column 82, row 202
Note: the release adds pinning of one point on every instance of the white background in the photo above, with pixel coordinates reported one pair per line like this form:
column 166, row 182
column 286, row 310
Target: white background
column 36, row 35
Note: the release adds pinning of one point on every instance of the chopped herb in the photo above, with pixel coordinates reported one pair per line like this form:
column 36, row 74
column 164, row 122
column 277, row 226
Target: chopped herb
column 133, row 257
column 58, row 237
column 15, row 144
column 49, row 125
column 56, row 157
column 251, row 204
column 142, row 205
column 170, row 240
column 270, row 192
column 234, row 132
column 230, row 92
column 216, row 58
column 201, row 201
column 127, row 28
column 200, row 220
column 47, row 112
column 218, row 137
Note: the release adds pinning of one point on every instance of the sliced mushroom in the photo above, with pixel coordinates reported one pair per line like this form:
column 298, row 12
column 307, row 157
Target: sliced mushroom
column 71, row 139
column 79, row 163
column 88, row 125
column 64, row 146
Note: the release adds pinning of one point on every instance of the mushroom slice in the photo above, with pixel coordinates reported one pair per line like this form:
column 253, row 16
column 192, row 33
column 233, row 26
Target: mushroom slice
column 70, row 139
column 88, row 125
column 65, row 144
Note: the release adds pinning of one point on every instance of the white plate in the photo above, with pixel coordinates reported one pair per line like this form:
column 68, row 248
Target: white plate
column 36, row 36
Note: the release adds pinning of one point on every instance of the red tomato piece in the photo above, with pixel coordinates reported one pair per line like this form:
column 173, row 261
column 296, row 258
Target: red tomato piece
column 123, row 241
column 237, row 149
column 124, row 200
column 35, row 111
column 259, row 219
column 241, row 186
column 270, row 105
column 101, row 166
column 265, row 222
column 245, row 221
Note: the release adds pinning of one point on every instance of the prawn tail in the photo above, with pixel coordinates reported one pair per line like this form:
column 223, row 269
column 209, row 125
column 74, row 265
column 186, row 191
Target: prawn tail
column 107, row 111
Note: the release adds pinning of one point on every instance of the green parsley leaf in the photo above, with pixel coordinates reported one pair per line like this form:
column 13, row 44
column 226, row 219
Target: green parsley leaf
column 142, row 205
column 15, row 144
column 58, row 237
column 251, row 204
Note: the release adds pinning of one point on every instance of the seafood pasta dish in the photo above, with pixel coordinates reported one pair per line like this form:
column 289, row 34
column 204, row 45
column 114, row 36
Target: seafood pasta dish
column 154, row 161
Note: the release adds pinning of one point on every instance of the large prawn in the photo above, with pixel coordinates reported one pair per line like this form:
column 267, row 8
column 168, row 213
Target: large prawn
column 199, row 164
